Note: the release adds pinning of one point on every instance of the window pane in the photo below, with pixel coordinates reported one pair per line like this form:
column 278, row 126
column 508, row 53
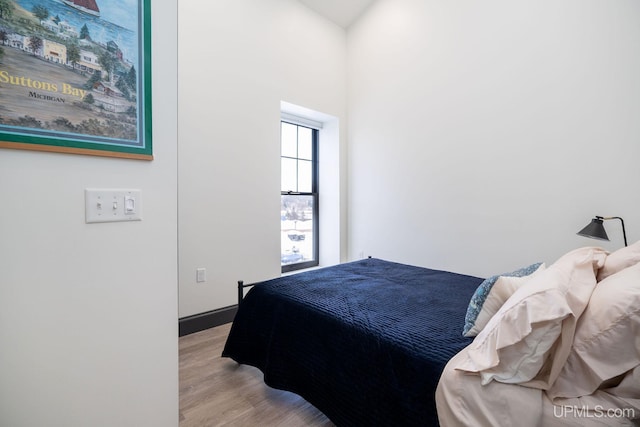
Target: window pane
column 289, row 139
column 304, row 176
column 289, row 175
column 305, row 142
column 296, row 220
column 299, row 245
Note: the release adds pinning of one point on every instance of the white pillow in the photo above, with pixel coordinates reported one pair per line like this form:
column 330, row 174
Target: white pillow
column 500, row 292
column 519, row 339
column 619, row 260
column 607, row 338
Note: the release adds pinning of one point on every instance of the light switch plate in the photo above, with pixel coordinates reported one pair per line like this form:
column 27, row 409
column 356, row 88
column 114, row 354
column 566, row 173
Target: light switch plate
column 112, row 205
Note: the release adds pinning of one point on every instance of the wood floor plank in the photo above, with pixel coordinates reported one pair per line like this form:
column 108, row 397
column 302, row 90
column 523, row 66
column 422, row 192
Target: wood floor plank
column 216, row 391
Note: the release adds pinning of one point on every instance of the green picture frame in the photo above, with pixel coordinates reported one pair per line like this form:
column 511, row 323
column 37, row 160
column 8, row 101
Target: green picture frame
column 75, row 77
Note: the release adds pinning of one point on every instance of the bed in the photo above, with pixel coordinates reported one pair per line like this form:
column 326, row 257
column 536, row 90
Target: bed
column 378, row 343
column 365, row 342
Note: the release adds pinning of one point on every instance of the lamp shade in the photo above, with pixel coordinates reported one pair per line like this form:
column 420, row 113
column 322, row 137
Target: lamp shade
column 594, row 230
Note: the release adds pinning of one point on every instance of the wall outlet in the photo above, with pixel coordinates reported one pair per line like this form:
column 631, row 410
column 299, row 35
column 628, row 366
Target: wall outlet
column 201, row 275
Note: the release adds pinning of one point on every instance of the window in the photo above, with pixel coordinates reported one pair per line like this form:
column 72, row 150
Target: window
column 299, row 196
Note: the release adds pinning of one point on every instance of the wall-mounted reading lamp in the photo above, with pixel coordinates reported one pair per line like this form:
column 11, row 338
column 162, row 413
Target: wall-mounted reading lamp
column 595, row 229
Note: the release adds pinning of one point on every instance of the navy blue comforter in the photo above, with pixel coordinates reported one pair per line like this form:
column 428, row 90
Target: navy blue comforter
column 365, row 342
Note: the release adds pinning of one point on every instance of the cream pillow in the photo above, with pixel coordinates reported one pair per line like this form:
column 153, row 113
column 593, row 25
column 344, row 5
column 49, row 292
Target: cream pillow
column 619, row 260
column 519, row 339
column 607, row 338
column 500, row 292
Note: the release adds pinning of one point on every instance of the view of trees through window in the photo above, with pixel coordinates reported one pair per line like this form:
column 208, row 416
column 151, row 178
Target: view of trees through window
column 297, row 228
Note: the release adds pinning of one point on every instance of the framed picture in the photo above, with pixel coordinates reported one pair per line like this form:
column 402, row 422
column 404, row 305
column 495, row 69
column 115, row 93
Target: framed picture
column 75, row 76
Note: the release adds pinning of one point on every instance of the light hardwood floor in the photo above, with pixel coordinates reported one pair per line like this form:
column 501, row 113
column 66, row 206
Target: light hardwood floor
column 216, row 391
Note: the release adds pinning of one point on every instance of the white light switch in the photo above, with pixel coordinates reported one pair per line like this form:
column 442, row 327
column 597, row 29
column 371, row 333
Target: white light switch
column 112, row 205
column 129, row 205
column 201, row 275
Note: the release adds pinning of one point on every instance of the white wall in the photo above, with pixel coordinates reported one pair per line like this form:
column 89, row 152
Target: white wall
column 238, row 59
column 88, row 312
column 484, row 135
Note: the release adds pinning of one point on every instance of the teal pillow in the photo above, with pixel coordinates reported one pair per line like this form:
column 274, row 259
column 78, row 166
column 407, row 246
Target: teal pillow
column 481, row 294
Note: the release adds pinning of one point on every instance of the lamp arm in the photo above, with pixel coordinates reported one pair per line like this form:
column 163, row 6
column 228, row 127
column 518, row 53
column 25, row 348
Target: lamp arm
column 624, row 233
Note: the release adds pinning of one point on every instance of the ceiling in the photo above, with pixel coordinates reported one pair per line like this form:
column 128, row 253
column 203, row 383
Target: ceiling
column 342, row 12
